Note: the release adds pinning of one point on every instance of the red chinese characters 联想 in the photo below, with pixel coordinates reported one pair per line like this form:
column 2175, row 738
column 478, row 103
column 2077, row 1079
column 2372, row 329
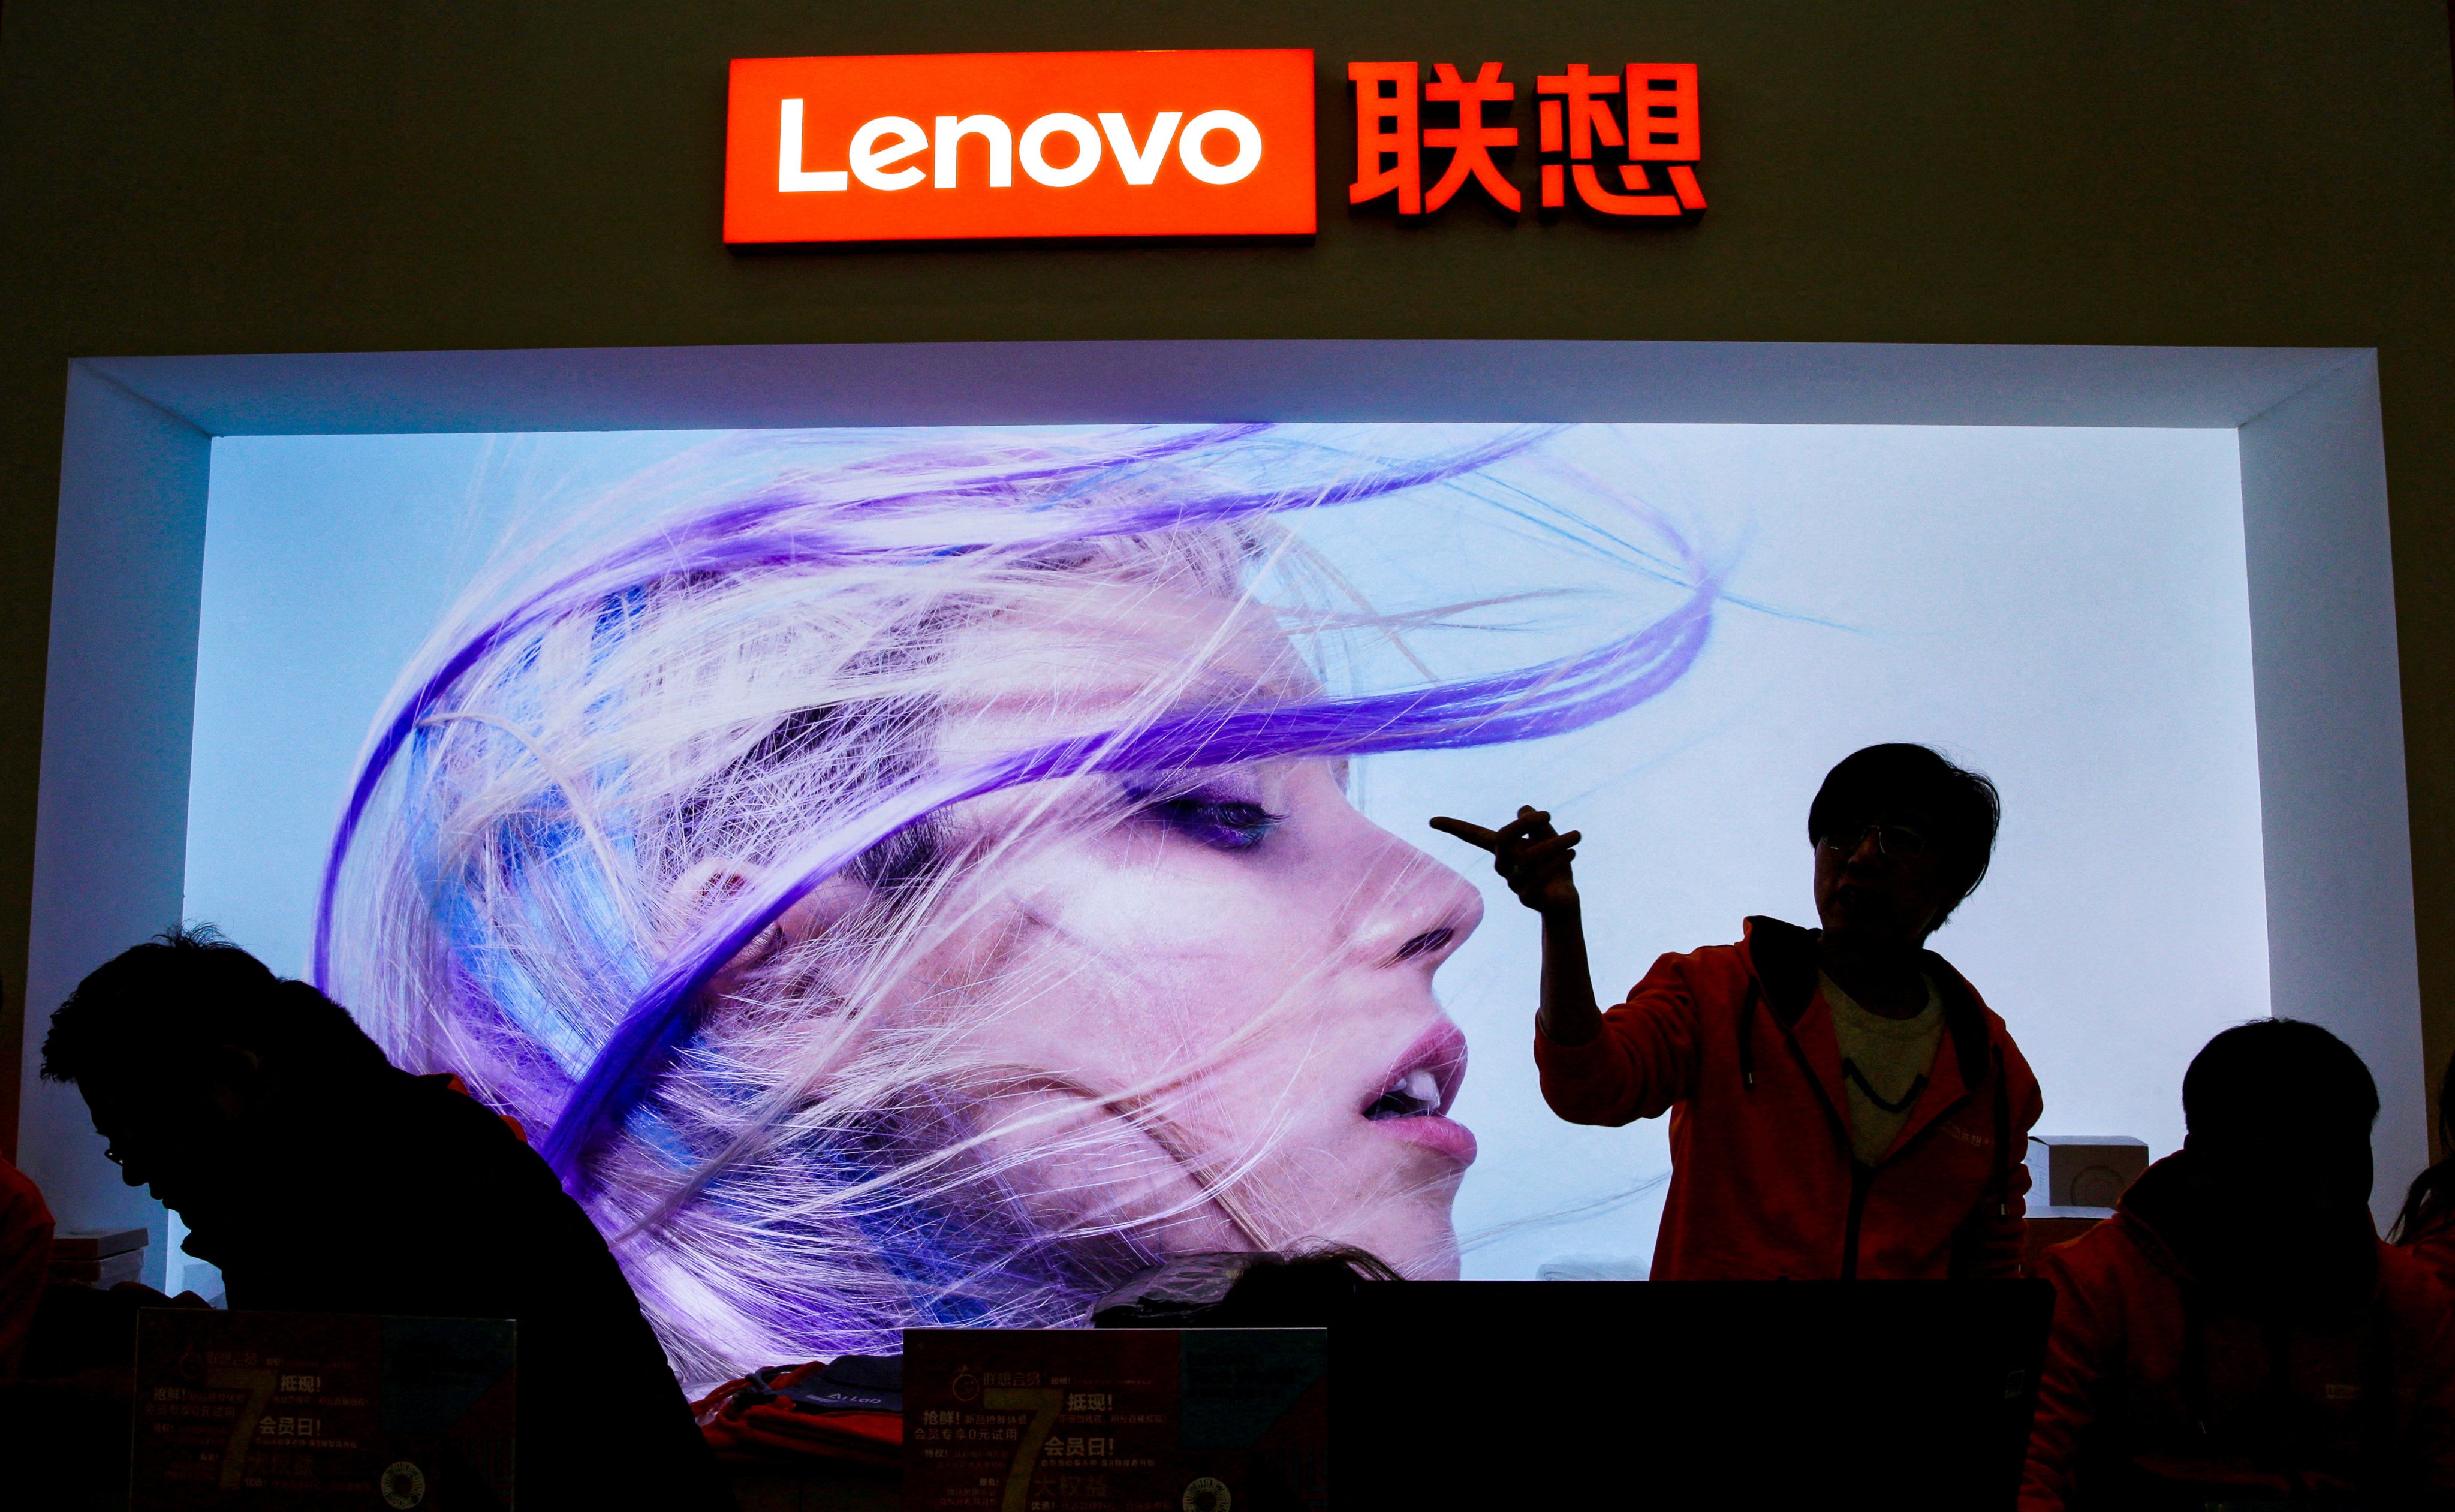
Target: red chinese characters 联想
column 1389, row 143
column 1471, row 140
column 1391, row 138
column 1575, row 119
column 1580, row 135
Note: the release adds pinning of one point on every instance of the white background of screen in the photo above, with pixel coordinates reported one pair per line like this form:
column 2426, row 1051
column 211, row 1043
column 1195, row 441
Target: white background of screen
column 2065, row 608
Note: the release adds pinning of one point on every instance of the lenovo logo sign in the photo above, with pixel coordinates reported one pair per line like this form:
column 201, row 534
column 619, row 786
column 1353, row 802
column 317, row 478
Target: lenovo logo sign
column 991, row 146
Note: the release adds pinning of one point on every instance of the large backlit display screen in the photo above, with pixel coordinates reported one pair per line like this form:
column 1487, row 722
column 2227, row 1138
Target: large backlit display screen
column 917, row 876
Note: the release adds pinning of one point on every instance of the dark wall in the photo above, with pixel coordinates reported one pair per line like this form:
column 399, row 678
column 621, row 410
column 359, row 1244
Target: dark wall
column 339, row 174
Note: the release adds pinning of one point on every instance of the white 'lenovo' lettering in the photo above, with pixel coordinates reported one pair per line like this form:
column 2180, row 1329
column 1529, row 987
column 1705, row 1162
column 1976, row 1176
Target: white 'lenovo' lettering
column 867, row 161
column 1034, row 145
column 1248, row 146
column 989, row 129
column 1141, row 166
column 880, row 144
column 789, row 177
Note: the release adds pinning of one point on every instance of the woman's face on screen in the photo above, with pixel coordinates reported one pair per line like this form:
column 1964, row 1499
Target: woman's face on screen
column 1218, row 1011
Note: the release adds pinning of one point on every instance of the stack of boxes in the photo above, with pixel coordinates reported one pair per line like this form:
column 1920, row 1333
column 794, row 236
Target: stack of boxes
column 97, row 1257
column 2075, row 1181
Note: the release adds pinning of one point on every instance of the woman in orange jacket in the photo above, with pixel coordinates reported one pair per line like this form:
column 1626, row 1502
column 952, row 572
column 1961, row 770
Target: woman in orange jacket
column 2425, row 1227
column 2237, row 1334
column 1842, row 1102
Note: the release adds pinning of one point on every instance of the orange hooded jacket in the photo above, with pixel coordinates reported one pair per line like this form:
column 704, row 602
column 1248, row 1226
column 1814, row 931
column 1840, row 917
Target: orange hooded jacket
column 1736, row 1044
column 2165, row 1378
column 25, row 1261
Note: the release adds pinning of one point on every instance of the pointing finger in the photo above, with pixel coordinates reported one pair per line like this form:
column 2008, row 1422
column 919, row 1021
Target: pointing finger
column 1472, row 834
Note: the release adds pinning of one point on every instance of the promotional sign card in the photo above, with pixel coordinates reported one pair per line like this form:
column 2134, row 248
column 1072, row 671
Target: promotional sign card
column 314, row 1411
column 1130, row 1419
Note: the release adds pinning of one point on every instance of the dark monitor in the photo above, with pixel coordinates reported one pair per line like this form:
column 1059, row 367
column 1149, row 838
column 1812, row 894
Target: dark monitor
column 1904, row 1394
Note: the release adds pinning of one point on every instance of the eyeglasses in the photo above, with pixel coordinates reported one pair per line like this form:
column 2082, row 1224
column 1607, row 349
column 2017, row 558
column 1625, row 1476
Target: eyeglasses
column 1899, row 842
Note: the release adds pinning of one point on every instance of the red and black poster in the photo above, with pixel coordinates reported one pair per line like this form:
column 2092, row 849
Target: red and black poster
column 1116, row 1420
column 299, row 1411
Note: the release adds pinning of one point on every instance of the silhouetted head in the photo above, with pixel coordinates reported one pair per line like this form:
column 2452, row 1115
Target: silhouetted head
column 188, row 1051
column 1305, row 1290
column 2279, row 1114
column 1901, row 835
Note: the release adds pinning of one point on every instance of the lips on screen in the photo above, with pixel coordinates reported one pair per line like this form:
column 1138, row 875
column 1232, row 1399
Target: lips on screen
column 910, row 876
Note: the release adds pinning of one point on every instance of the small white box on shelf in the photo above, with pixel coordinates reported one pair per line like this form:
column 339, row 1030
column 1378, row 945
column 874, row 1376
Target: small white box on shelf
column 2082, row 1170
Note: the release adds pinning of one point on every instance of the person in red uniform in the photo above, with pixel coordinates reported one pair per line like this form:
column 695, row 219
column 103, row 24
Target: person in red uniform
column 2237, row 1334
column 2425, row 1228
column 1842, row 1102
column 25, row 1262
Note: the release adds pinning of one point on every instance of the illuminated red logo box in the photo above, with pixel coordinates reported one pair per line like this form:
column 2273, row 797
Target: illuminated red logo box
column 1018, row 145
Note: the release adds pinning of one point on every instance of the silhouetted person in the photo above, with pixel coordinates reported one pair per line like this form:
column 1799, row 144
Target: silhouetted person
column 2425, row 1228
column 2236, row 1333
column 1843, row 1104
column 1308, row 1289
column 322, row 1179
column 1238, row 1289
column 25, row 1261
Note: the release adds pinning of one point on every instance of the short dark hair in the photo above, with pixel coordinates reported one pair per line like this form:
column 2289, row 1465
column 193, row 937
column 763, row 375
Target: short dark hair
column 1305, row 1289
column 187, row 991
column 2241, row 1079
column 1965, row 807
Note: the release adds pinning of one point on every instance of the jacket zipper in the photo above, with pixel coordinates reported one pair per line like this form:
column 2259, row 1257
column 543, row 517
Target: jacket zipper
column 1861, row 1177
